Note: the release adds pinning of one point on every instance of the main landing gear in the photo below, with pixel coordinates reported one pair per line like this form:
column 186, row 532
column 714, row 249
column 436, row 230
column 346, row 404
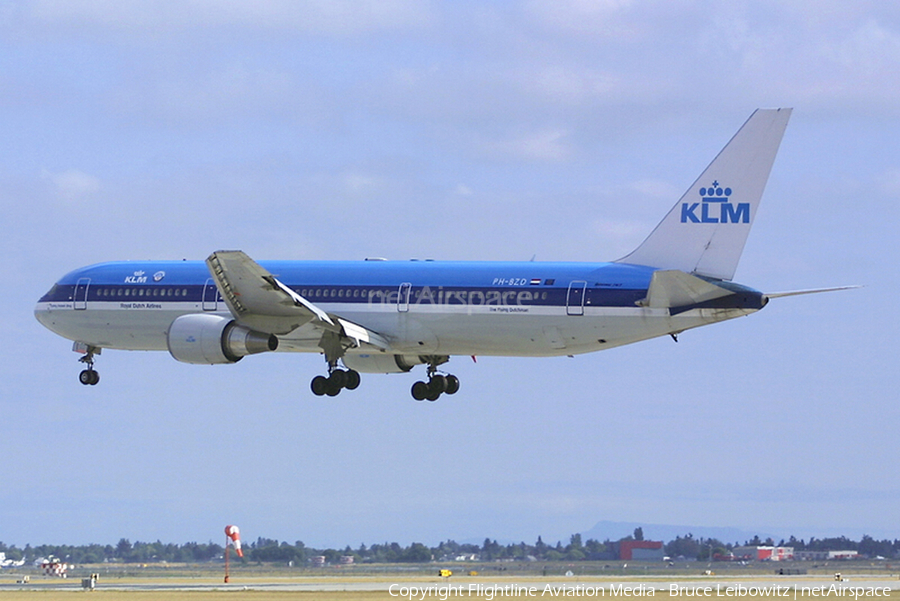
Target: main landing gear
column 437, row 385
column 337, row 380
column 89, row 376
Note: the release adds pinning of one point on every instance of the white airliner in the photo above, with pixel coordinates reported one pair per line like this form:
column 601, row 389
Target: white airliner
column 378, row 316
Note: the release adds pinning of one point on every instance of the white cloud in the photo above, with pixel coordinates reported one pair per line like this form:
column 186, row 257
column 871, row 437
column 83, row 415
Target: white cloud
column 542, row 145
column 72, row 184
column 656, row 189
column 463, row 190
column 227, row 93
column 597, row 17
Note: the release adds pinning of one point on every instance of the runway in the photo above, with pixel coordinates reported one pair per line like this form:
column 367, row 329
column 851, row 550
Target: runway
column 419, row 588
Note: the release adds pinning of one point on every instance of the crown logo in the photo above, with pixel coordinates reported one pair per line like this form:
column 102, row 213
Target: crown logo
column 714, row 193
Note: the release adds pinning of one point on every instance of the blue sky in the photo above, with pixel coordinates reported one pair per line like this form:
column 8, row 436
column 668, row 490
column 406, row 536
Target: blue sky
column 449, row 130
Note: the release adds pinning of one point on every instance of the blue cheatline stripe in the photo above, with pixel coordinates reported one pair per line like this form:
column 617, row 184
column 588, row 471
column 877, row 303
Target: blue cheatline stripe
column 438, row 283
column 357, row 295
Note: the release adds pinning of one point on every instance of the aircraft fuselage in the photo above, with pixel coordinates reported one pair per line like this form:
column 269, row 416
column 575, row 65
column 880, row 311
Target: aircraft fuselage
column 420, row 307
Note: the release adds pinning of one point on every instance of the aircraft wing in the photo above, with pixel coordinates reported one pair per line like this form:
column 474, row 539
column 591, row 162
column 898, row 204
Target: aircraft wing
column 258, row 300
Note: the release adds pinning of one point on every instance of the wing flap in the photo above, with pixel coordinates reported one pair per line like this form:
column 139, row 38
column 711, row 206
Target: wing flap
column 360, row 335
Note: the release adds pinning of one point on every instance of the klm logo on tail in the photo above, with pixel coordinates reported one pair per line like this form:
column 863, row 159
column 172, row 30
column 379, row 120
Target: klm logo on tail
column 715, row 207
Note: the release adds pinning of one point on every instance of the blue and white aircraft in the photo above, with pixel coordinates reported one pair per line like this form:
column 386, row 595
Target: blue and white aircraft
column 378, row 316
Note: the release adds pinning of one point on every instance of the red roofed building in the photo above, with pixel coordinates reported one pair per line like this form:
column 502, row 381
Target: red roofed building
column 640, row 549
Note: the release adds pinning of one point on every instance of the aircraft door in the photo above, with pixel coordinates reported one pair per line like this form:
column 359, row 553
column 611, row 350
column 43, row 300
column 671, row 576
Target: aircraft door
column 403, row 298
column 575, row 298
column 81, row 290
column 210, row 296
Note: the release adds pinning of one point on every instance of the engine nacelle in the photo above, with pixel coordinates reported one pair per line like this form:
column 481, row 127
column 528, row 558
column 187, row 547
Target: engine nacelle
column 206, row 339
column 381, row 363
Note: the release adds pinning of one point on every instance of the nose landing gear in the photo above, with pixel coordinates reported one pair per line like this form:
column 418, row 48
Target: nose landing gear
column 89, row 376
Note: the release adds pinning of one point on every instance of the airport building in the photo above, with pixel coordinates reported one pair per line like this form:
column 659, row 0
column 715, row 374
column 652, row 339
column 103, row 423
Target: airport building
column 640, row 550
column 764, row 553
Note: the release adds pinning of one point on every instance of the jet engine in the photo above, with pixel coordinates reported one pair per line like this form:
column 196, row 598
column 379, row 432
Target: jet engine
column 381, row 363
column 210, row 339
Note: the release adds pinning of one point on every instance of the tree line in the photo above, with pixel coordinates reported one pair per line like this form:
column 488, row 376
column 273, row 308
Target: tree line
column 266, row 550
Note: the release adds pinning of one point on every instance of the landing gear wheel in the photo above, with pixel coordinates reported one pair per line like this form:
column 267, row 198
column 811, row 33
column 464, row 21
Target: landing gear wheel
column 89, row 377
column 333, row 388
column 319, row 385
column 438, row 384
column 351, row 379
column 420, row 391
column 337, row 379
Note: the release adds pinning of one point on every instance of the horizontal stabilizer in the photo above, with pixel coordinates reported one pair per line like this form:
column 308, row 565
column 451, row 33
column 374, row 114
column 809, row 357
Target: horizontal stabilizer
column 674, row 288
column 811, row 291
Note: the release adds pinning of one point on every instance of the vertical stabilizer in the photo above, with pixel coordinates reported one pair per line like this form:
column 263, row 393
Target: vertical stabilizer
column 706, row 230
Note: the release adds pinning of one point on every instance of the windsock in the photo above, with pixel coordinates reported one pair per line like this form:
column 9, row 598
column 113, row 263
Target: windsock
column 234, row 535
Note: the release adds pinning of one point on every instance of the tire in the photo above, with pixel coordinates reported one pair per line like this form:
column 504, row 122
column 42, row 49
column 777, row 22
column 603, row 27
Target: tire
column 452, row 385
column 334, row 386
column 351, row 379
column 319, row 385
column 338, row 379
column 420, row 391
column 95, row 378
column 438, row 384
column 85, row 376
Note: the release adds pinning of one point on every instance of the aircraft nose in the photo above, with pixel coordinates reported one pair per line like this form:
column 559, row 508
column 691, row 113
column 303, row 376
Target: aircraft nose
column 42, row 314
